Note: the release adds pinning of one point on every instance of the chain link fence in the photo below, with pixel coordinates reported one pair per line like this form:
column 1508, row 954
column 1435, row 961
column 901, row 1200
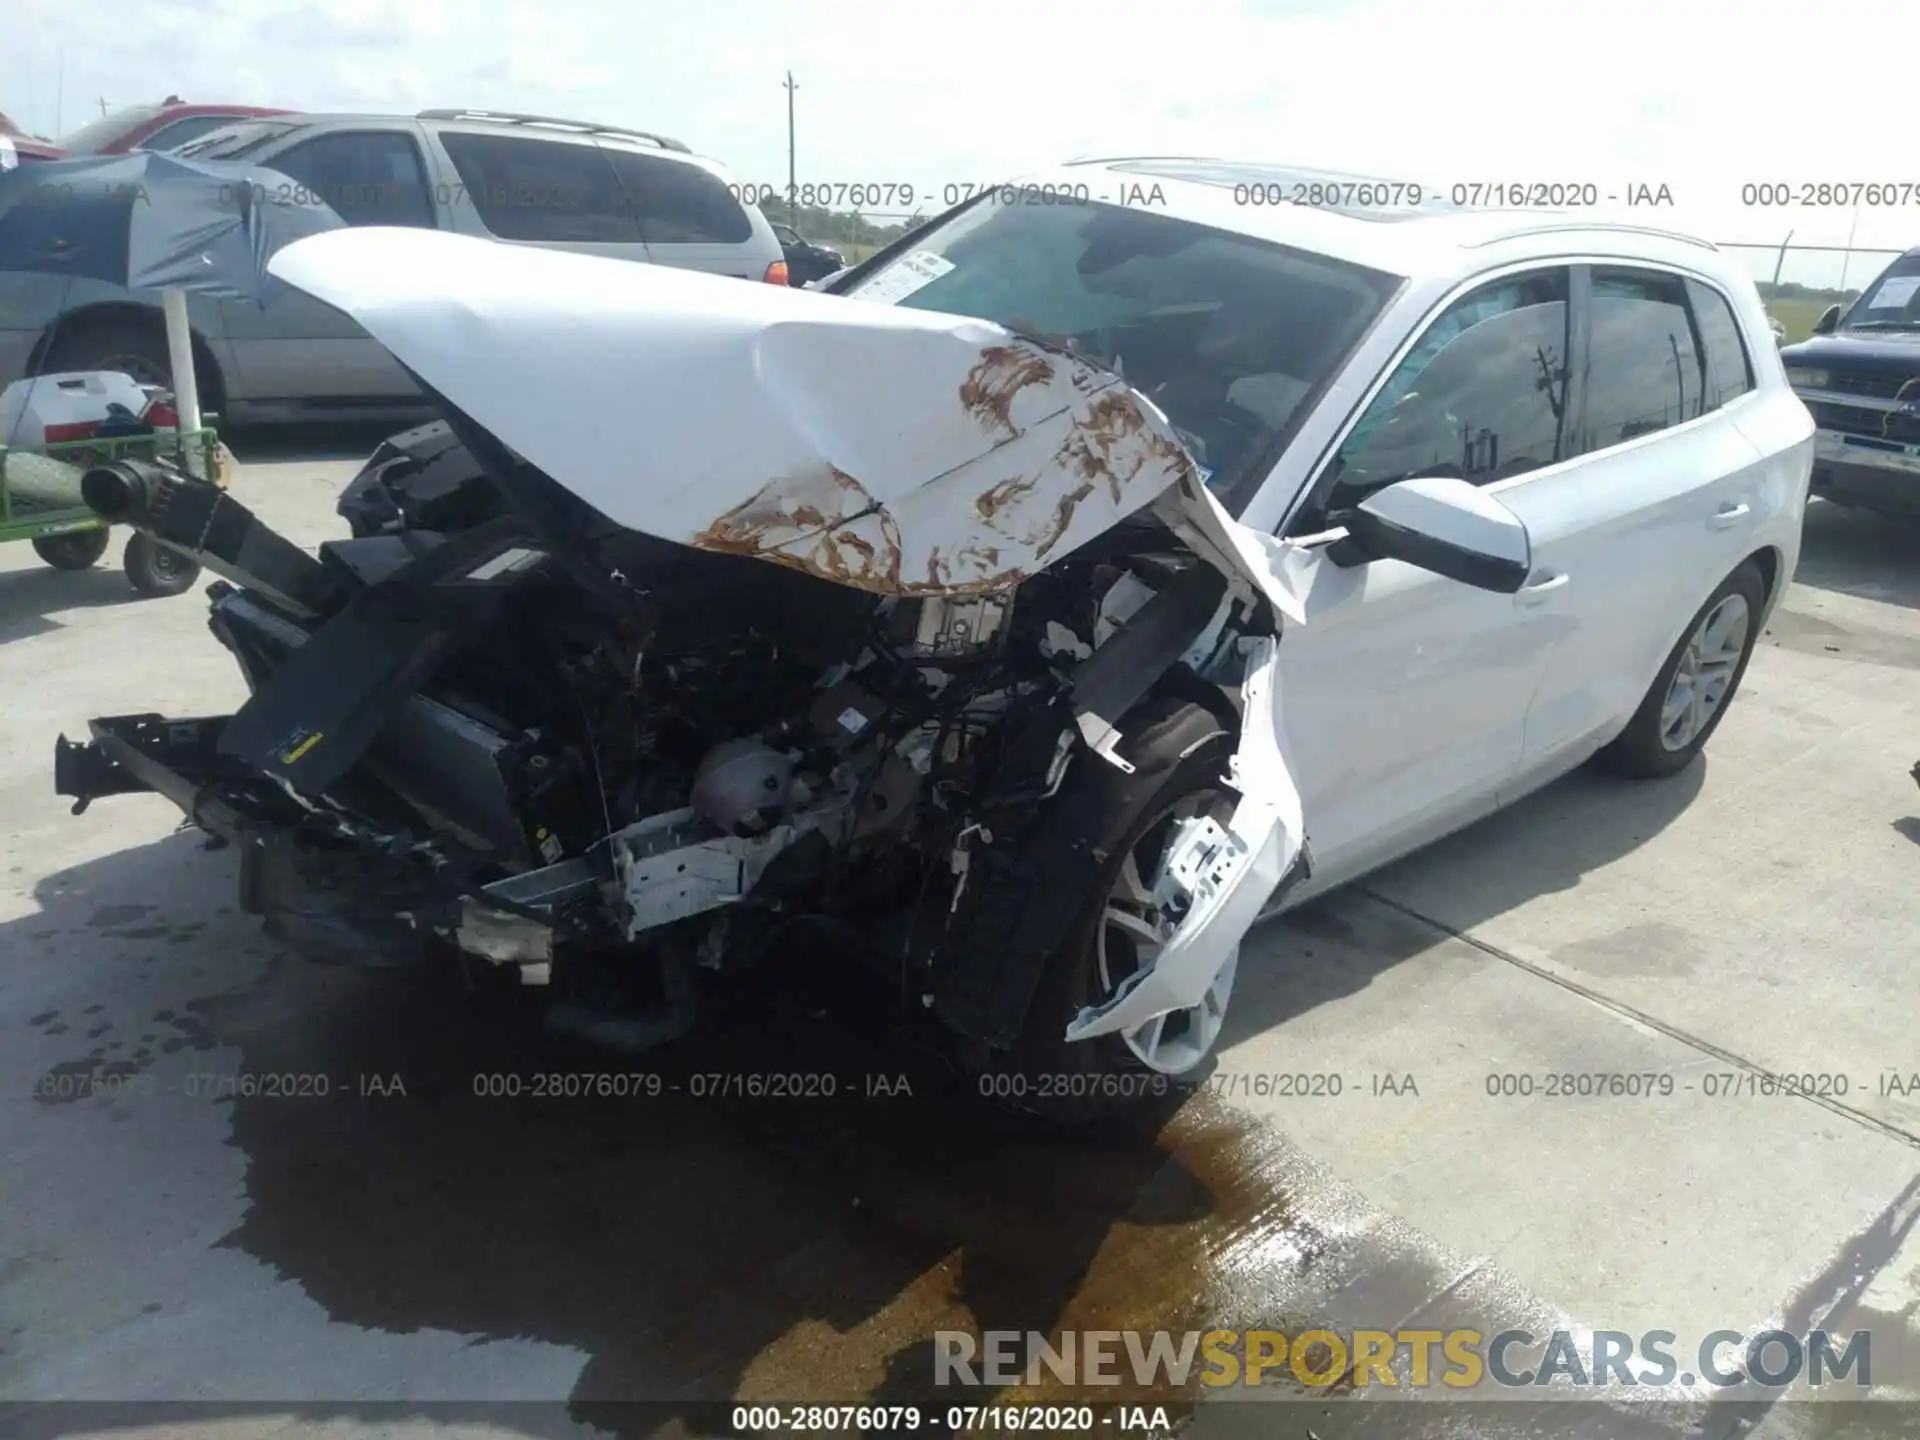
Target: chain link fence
column 1800, row 281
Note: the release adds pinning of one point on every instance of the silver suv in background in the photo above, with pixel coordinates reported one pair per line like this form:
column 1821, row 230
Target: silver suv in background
column 517, row 179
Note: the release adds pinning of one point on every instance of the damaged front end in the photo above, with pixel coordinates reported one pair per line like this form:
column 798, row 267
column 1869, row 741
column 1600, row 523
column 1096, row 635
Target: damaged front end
column 541, row 709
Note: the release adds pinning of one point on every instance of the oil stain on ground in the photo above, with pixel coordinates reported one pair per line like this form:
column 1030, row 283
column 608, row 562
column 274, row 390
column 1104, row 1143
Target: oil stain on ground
column 723, row 1248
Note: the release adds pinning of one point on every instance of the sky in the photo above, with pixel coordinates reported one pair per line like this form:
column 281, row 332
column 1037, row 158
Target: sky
column 1699, row 96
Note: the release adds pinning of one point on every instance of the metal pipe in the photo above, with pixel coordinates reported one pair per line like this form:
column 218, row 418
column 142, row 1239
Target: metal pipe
column 186, row 385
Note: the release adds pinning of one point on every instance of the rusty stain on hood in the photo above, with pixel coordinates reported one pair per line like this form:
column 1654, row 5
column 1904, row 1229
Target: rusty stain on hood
column 827, row 523
column 1003, row 372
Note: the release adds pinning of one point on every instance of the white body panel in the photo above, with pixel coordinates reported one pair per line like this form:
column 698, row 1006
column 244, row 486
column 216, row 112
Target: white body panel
column 895, row 450
column 909, row 452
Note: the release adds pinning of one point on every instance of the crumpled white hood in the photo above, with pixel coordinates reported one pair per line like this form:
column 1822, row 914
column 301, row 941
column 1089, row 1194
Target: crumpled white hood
column 898, row 451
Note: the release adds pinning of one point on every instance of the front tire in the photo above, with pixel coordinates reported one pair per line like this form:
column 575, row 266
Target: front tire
column 157, row 570
column 1179, row 751
column 1690, row 695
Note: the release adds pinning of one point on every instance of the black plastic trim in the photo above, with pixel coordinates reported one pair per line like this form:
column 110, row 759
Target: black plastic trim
column 1384, row 540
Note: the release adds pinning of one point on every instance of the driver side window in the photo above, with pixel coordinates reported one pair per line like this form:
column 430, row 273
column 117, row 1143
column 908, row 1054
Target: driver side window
column 1481, row 396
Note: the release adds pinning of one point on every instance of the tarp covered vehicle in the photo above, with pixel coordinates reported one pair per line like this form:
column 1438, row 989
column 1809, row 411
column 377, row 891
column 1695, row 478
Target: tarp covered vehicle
column 714, row 609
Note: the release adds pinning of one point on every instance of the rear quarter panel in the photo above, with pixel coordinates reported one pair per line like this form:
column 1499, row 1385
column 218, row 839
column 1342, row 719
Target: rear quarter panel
column 1778, row 425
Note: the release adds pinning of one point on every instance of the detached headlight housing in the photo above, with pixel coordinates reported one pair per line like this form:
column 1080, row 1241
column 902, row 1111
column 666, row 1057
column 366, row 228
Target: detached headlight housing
column 1805, row 377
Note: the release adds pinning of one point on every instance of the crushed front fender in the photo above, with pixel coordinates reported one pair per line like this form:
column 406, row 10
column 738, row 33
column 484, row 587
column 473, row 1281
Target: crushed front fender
column 1231, row 873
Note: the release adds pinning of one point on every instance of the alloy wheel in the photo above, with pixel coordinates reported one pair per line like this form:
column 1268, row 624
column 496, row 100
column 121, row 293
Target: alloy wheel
column 1135, row 924
column 1705, row 673
column 167, row 564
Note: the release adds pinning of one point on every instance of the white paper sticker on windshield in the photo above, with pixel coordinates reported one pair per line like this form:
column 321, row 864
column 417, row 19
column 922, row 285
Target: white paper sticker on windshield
column 9, row 157
column 1895, row 292
column 909, row 273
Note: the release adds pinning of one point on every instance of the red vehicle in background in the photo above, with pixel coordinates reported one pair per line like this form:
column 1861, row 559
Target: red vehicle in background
column 163, row 126
column 17, row 146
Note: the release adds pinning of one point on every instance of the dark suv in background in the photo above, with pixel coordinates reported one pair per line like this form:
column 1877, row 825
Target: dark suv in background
column 1859, row 374
column 807, row 260
column 516, row 179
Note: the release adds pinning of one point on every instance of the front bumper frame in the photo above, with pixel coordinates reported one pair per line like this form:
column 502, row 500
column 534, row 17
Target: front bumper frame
column 339, row 904
column 136, row 754
column 1882, row 475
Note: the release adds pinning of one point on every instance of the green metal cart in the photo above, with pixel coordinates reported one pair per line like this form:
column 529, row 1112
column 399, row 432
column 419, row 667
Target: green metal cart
column 68, row 535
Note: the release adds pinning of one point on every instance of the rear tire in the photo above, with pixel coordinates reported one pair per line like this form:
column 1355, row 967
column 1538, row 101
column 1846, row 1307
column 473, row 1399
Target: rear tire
column 79, row 550
column 1179, row 751
column 157, row 570
column 123, row 345
column 1690, row 695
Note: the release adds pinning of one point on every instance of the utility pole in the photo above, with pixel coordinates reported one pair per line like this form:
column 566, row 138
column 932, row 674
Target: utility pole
column 103, row 107
column 793, row 190
column 1846, row 260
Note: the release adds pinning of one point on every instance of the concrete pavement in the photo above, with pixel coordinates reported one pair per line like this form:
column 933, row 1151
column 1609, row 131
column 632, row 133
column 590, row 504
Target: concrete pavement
column 161, row 1239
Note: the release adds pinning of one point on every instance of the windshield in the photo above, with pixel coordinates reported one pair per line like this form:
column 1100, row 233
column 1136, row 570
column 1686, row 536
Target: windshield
column 107, row 129
column 1232, row 337
column 231, row 141
column 1892, row 301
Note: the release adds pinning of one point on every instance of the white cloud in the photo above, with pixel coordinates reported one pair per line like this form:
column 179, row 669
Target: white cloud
column 1701, row 95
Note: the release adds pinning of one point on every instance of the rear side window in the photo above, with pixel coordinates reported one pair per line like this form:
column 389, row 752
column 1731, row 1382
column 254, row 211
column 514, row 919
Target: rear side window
column 369, row 177
column 1646, row 370
column 182, row 131
column 1729, row 370
column 231, row 141
column 543, row 190
column 680, row 203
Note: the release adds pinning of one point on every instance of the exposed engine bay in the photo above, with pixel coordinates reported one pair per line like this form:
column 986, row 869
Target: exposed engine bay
column 730, row 748
column 602, row 761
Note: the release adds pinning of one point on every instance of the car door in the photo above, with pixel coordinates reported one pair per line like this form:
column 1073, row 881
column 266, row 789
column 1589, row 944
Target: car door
column 1403, row 694
column 295, row 348
column 1657, row 506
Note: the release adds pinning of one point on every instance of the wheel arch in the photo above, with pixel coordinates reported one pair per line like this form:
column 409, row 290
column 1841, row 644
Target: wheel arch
column 127, row 312
column 1770, row 560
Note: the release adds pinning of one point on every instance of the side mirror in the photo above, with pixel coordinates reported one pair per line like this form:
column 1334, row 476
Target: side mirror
column 1443, row 525
column 1829, row 318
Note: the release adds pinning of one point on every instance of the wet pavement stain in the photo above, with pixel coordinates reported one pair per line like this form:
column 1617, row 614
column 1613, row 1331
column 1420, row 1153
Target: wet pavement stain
column 718, row 1249
column 88, row 1078
column 1812, row 635
column 1650, row 948
column 110, row 915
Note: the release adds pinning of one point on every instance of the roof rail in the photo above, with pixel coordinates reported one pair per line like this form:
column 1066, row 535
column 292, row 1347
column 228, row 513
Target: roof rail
column 1613, row 225
column 588, row 127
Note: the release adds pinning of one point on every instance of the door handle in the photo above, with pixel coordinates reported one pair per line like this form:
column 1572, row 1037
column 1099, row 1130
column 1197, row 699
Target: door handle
column 1728, row 515
column 1535, row 592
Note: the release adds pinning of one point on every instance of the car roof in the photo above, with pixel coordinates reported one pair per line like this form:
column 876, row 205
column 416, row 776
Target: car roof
column 181, row 108
column 505, row 123
column 1433, row 238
